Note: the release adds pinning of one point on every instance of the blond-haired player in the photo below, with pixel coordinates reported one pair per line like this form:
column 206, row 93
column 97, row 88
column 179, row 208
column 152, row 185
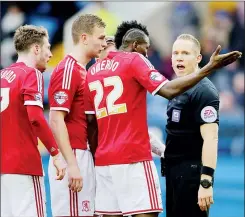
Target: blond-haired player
column 68, row 120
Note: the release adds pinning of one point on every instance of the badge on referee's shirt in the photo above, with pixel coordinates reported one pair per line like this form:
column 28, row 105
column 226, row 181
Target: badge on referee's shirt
column 209, row 114
column 176, row 115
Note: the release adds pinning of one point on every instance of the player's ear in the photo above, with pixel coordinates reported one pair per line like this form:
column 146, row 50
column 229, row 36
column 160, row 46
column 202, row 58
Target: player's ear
column 199, row 58
column 84, row 38
column 135, row 45
column 36, row 48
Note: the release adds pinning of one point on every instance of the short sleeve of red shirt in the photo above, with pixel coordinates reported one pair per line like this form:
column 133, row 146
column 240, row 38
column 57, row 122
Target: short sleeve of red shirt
column 88, row 102
column 32, row 88
column 62, row 87
column 146, row 75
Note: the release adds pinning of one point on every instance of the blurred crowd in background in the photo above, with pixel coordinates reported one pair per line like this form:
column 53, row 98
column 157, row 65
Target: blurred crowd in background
column 212, row 23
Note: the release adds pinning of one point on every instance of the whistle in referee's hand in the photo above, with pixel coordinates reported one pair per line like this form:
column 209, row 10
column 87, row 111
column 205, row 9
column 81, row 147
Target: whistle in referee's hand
column 163, row 166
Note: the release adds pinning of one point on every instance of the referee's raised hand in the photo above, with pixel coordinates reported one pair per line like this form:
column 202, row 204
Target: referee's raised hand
column 218, row 60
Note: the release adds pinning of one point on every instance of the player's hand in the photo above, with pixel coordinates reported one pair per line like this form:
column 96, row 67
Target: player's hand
column 60, row 166
column 205, row 198
column 74, row 178
column 218, row 61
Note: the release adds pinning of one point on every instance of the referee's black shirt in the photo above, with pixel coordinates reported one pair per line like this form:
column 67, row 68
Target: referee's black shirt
column 186, row 113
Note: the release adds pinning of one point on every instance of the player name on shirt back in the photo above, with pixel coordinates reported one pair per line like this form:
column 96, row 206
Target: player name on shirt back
column 104, row 65
column 9, row 75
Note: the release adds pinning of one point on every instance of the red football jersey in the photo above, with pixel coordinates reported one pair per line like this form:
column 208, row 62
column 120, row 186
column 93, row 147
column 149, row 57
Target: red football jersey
column 66, row 92
column 116, row 90
column 20, row 86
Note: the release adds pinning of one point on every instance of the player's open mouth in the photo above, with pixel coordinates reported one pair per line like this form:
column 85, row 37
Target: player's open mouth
column 180, row 67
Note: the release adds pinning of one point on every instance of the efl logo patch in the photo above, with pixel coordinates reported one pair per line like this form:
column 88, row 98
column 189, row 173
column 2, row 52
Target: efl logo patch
column 60, row 97
column 38, row 97
column 156, row 76
column 209, row 114
column 176, row 115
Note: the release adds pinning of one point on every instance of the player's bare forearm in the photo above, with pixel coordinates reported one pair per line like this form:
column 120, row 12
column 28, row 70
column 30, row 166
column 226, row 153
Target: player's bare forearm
column 209, row 134
column 92, row 131
column 41, row 129
column 58, row 127
column 181, row 84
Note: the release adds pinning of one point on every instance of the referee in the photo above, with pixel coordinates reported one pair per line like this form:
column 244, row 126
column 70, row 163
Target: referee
column 192, row 138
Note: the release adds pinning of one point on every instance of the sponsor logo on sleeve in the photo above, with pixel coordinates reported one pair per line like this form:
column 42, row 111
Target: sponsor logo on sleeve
column 60, row 97
column 156, row 76
column 38, row 97
column 209, row 114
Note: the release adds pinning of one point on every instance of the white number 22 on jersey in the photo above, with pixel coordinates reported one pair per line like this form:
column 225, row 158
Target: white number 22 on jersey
column 4, row 98
column 117, row 91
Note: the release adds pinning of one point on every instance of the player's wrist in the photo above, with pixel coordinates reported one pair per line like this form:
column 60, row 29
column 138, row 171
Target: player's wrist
column 73, row 165
column 56, row 154
column 206, row 70
column 72, row 162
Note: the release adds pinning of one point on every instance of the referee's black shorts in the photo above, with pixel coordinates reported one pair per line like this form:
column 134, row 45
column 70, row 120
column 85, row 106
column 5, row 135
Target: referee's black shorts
column 182, row 184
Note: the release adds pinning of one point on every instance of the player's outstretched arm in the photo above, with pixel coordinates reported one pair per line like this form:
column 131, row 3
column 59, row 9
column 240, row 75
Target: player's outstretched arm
column 179, row 85
column 59, row 129
column 43, row 132
column 92, row 131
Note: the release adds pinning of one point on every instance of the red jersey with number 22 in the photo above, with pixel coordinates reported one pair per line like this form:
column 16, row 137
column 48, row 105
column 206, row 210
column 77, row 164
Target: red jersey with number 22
column 116, row 91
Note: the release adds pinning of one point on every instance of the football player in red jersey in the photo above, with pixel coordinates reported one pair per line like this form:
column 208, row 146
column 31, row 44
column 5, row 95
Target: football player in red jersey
column 68, row 120
column 157, row 147
column 127, row 182
column 22, row 121
column 110, row 46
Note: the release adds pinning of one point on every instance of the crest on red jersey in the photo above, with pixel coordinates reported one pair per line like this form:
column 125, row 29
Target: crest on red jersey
column 38, row 97
column 156, row 76
column 60, row 97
